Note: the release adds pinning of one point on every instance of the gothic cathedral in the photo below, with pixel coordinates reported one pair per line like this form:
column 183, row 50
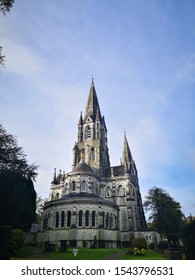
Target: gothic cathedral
column 95, row 204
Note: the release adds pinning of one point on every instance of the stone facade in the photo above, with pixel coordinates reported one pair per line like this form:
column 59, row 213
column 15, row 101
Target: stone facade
column 94, row 204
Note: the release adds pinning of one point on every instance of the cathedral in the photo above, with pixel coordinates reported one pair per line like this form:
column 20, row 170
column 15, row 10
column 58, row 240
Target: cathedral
column 95, row 204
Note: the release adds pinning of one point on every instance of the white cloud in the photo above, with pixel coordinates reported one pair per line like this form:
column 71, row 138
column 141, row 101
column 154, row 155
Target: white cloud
column 21, row 60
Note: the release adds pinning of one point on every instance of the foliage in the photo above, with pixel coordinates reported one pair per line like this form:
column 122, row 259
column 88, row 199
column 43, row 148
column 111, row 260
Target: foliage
column 39, row 208
column 12, row 156
column 17, row 200
column 163, row 245
column 2, row 57
column 6, row 5
column 151, row 246
column 188, row 236
column 17, row 241
column 166, row 214
column 139, row 252
column 139, row 243
column 85, row 243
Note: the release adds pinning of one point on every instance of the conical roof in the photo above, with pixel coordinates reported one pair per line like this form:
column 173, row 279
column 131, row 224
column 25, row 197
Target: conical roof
column 82, row 168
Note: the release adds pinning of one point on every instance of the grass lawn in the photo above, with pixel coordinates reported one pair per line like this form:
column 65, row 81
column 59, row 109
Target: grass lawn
column 150, row 255
column 28, row 252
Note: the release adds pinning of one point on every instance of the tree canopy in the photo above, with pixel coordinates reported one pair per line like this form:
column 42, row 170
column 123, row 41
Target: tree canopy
column 12, row 157
column 5, row 7
column 17, row 194
column 165, row 213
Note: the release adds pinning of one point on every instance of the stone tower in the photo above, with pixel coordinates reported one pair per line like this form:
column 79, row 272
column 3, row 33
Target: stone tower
column 92, row 137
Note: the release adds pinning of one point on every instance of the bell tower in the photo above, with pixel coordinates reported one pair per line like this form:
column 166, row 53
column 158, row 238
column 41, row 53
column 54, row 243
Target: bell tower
column 92, row 136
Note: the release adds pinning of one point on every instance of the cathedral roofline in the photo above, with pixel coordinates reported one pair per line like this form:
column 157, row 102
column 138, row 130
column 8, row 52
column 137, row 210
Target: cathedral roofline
column 81, row 197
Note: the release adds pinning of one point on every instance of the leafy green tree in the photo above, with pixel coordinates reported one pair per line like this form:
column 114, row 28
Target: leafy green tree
column 188, row 236
column 12, row 157
column 17, row 194
column 165, row 214
column 5, row 6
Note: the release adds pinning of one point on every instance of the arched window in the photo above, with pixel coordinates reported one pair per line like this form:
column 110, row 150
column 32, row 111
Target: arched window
column 73, row 186
column 80, row 218
column 93, row 219
column 62, row 218
column 57, row 220
column 68, row 223
column 120, row 191
column 111, row 221
column 88, row 132
column 92, row 187
column 87, row 218
column 57, row 196
column 108, row 192
column 103, row 219
column 83, row 186
column 92, row 154
column 107, row 220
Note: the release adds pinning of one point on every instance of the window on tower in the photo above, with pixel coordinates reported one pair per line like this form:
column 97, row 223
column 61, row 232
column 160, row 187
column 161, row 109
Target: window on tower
column 73, row 186
column 88, row 132
column 83, row 186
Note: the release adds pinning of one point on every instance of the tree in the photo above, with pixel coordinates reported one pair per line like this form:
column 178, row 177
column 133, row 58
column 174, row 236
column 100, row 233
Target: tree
column 17, row 194
column 17, row 200
column 12, row 156
column 39, row 208
column 165, row 214
column 188, row 236
column 5, row 6
column 2, row 57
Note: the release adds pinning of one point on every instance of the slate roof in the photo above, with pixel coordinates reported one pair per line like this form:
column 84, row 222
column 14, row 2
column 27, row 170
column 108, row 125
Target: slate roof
column 82, row 168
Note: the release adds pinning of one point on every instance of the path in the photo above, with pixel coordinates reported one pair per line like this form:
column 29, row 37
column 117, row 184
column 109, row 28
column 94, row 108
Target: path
column 115, row 256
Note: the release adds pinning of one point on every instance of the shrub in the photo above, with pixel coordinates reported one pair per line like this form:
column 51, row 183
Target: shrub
column 139, row 252
column 139, row 243
column 85, row 243
column 17, row 241
column 151, row 246
column 162, row 245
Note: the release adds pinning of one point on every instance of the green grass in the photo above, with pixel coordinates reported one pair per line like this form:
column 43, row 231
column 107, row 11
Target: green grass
column 29, row 253
column 150, row 255
column 84, row 254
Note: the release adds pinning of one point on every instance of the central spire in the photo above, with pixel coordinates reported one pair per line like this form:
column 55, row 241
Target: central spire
column 92, row 106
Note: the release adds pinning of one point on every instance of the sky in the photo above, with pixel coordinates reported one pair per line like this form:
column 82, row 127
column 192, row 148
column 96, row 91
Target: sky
column 142, row 57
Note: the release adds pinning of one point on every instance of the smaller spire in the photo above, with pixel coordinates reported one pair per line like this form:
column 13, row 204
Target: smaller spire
column 80, row 119
column 98, row 117
column 54, row 181
column 126, row 156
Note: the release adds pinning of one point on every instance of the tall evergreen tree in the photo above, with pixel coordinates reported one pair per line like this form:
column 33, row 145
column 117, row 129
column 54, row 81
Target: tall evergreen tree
column 165, row 214
column 17, row 200
column 17, row 194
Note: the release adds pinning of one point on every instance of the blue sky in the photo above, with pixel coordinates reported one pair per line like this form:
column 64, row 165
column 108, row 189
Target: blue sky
column 142, row 56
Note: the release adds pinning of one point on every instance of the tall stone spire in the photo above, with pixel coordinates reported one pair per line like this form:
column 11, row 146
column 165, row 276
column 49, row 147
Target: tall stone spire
column 92, row 106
